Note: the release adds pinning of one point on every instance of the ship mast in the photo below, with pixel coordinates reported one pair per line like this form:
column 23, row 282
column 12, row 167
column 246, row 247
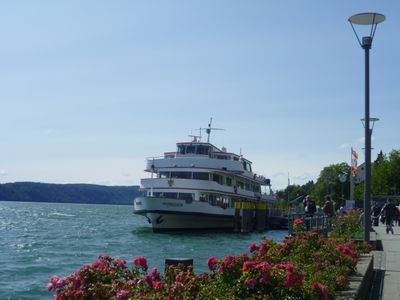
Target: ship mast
column 209, row 129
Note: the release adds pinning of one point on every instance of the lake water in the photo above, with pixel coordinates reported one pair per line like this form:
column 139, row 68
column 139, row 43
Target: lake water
column 38, row 240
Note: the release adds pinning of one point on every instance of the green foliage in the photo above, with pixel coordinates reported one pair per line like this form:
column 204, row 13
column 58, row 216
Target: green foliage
column 385, row 180
column 328, row 183
column 293, row 191
column 386, row 174
column 347, row 227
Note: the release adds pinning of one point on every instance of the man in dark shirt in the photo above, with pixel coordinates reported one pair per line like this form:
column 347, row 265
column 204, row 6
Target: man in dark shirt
column 390, row 211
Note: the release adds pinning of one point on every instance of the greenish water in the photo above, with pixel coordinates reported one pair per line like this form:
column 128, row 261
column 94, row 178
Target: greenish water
column 38, row 240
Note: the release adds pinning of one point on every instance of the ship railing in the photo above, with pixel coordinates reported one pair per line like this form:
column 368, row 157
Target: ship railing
column 151, row 158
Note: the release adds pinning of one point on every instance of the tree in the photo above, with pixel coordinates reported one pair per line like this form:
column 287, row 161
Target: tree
column 380, row 177
column 328, row 183
column 294, row 191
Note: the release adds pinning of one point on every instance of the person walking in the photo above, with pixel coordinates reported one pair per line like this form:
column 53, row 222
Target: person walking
column 390, row 212
column 375, row 213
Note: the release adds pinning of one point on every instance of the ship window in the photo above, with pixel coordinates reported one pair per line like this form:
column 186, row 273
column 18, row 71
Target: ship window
column 203, row 198
column 181, row 149
column 200, row 175
column 212, row 199
column 190, row 149
column 163, row 175
column 236, row 158
column 240, row 184
column 217, row 178
column 228, row 181
column 171, row 195
column 184, row 175
column 247, row 185
column 186, row 196
column 204, row 150
column 221, row 157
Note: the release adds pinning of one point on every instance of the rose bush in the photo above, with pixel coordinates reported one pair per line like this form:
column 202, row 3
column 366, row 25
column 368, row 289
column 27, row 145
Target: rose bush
column 348, row 226
column 298, row 226
column 305, row 266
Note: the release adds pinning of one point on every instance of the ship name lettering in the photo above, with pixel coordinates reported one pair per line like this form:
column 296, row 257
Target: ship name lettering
column 172, row 204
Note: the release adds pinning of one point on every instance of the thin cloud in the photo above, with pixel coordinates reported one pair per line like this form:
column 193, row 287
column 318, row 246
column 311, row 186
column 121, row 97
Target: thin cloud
column 3, row 172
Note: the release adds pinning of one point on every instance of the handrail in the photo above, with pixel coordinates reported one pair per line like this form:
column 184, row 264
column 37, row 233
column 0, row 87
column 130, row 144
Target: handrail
column 316, row 222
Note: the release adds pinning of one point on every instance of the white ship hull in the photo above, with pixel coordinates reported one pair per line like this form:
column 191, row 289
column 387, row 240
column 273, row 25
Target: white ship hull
column 172, row 214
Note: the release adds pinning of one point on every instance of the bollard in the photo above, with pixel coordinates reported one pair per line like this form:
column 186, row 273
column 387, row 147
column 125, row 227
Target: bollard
column 182, row 264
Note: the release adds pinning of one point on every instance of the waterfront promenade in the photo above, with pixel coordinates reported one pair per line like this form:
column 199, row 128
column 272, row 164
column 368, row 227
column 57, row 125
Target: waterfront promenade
column 388, row 261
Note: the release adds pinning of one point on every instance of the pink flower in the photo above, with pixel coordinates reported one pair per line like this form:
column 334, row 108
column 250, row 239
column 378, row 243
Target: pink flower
column 212, row 262
column 50, row 286
column 141, row 261
column 156, row 285
column 61, row 282
column 179, row 278
column 76, row 282
column 54, row 279
column 148, row 279
column 265, row 279
column 120, row 263
column 155, row 275
column 264, row 266
column 248, row 266
column 341, row 281
column 289, row 267
column 250, row 282
column 298, row 222
column 99, row 265
column 104, row 257
column 290, row 280
column 322, row 289
column 122, row 294
column 253, row 247
column 78, row 294
column 228, row 262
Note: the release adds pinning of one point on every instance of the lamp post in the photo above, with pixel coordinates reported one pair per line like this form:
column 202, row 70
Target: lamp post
column 372, row 20
column 342, row 179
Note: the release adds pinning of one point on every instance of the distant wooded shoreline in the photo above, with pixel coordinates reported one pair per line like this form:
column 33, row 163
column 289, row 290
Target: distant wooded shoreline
column 68, row 193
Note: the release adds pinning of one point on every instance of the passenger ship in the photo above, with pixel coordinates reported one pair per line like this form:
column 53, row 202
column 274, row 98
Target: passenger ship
column 197, row 186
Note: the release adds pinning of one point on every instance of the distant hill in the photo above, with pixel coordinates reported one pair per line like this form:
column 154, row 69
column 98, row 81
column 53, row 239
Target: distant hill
column 68, row 193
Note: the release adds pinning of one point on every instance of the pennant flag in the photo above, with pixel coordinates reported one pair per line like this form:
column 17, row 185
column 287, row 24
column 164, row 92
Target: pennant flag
column 354, row 157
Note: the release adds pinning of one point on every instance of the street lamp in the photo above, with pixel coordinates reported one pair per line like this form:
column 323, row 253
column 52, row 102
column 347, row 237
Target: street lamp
column 342, row 179
column 369, row 19
column 371, row 122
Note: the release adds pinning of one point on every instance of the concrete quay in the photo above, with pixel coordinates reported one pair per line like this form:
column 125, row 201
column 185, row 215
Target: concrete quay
column 387, row 263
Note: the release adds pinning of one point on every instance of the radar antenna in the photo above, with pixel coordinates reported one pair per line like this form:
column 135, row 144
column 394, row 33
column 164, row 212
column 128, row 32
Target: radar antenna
column 209, row 129
column 196, row 138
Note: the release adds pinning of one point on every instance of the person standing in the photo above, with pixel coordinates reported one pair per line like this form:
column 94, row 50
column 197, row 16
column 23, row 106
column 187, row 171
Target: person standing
column 328, row 207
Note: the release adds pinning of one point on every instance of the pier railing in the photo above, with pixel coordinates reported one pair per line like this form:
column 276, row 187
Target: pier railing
column 316, row 222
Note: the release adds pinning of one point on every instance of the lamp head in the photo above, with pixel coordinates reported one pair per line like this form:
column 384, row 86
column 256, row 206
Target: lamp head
column 369, row 19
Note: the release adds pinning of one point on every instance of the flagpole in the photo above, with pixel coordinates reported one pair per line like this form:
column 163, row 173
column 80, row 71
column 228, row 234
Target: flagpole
column 351, row 186
column 353, row 171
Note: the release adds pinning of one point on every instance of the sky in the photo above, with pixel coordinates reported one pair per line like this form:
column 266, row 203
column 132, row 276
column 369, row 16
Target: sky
column 90, row 89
